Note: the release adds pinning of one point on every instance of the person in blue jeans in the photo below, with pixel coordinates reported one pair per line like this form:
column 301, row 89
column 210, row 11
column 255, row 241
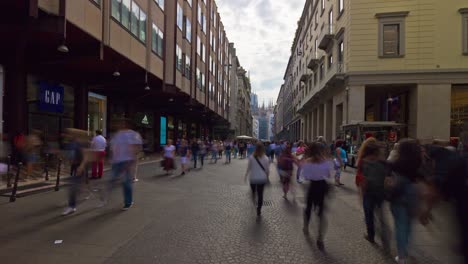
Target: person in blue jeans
column 227, row 151
column 75, row 147
column 403, row 193
column 124, row 149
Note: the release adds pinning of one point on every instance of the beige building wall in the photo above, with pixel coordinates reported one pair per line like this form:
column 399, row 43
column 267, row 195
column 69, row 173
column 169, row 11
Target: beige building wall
column 85, row 15
column 433, row 35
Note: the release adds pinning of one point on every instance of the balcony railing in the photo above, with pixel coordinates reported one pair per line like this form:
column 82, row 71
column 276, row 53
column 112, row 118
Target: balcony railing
column 326, row 36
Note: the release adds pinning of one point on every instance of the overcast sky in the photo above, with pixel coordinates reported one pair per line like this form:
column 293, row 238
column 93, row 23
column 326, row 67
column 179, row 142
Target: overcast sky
column 262, row 32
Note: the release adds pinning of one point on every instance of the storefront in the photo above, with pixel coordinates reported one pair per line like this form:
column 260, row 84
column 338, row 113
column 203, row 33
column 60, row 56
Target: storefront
column 144, row 123
column 97, row 113
column 2, row 89
column 50, row 109
column 459, row 110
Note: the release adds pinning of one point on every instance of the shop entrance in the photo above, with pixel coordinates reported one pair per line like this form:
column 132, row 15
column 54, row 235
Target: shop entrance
column 459, row 111
column 97, row 113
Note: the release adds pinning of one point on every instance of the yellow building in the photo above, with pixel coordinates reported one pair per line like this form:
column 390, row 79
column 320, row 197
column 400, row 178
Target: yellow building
column 400, row 60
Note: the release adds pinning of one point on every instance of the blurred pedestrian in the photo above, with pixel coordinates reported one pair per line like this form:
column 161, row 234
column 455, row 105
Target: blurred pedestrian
column 195, row 149
column 169, row 155
column 340, row 160
column 19, row 143
column 403, row 193
column 258, row 172
column 374, row 170
column 77, row 142
column 227, row 151
column 236, row 149
column 220, row 149
column 272, row 148
column 456, row 189
column 203, row 151
column 361, row 154
column 32, row 150
column 300, row 155
column 214, row 152
column 184, row 153
column 316, row 169
column 285, row 169
column 125, row 145
column 98, row 145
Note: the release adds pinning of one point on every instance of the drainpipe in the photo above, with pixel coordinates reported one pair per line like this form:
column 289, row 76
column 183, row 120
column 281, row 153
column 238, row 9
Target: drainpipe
column 347, row 105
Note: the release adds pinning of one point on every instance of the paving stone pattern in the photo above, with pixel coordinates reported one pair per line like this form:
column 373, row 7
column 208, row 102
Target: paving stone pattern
column 206, row 216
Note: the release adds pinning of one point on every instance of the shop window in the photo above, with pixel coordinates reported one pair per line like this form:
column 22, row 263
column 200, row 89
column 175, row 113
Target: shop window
column 459, row 110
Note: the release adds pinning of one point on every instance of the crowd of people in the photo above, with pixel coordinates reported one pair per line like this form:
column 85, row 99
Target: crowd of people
column 197, row 150
column 412, row 180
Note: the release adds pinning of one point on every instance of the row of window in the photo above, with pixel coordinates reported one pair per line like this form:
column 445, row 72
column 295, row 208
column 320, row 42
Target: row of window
column 131, row 16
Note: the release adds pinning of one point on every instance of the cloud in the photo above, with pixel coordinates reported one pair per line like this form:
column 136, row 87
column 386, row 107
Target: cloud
column 262, row 32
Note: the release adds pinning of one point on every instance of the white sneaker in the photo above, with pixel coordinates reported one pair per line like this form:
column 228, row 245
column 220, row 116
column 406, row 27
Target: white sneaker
column 400, row 261
column 68, row 210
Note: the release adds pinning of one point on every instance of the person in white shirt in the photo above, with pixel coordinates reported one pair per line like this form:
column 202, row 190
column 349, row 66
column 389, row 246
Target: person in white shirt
column 98, row 145
column 258, row 172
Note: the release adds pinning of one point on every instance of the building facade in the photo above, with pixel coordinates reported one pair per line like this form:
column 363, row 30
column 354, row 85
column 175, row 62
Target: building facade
column 388, row 63
column 84, row 63
column 244, row 115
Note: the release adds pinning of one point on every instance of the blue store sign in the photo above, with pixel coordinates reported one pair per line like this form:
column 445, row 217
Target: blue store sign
column 51, row 97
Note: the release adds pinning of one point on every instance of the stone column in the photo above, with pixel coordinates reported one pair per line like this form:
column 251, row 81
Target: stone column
column 355, row 104
column 328, row 120
column 322, row 120
column 433, row 108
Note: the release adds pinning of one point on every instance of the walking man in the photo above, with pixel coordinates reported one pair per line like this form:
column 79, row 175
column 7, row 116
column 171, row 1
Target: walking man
column 98, row 145
column 124, row 148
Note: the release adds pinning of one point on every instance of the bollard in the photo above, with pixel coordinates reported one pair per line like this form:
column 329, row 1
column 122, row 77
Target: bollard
column 46, row 167
column 15, row 186
column 57, row 183
column 8, row 172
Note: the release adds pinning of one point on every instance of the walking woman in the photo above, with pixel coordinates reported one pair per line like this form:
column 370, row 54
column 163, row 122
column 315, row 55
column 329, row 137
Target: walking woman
column 403, row 193
column 169, row 153
column 258, row 172
column 285, row 169
column 316, row 169
column 361, row 154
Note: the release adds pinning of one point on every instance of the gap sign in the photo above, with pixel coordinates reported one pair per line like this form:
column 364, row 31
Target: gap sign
column 50, row 97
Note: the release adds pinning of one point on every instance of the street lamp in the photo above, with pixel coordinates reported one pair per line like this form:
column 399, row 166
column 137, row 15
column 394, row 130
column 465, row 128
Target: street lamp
column 63, row 48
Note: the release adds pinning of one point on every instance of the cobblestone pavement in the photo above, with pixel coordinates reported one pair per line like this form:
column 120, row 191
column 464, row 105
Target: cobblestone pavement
column 206, row 216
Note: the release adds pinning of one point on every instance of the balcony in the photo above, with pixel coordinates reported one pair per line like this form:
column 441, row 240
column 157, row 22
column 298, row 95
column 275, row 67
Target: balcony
column 304, row 77
column 326, row 37
column 333, row 77
column 314, row 61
